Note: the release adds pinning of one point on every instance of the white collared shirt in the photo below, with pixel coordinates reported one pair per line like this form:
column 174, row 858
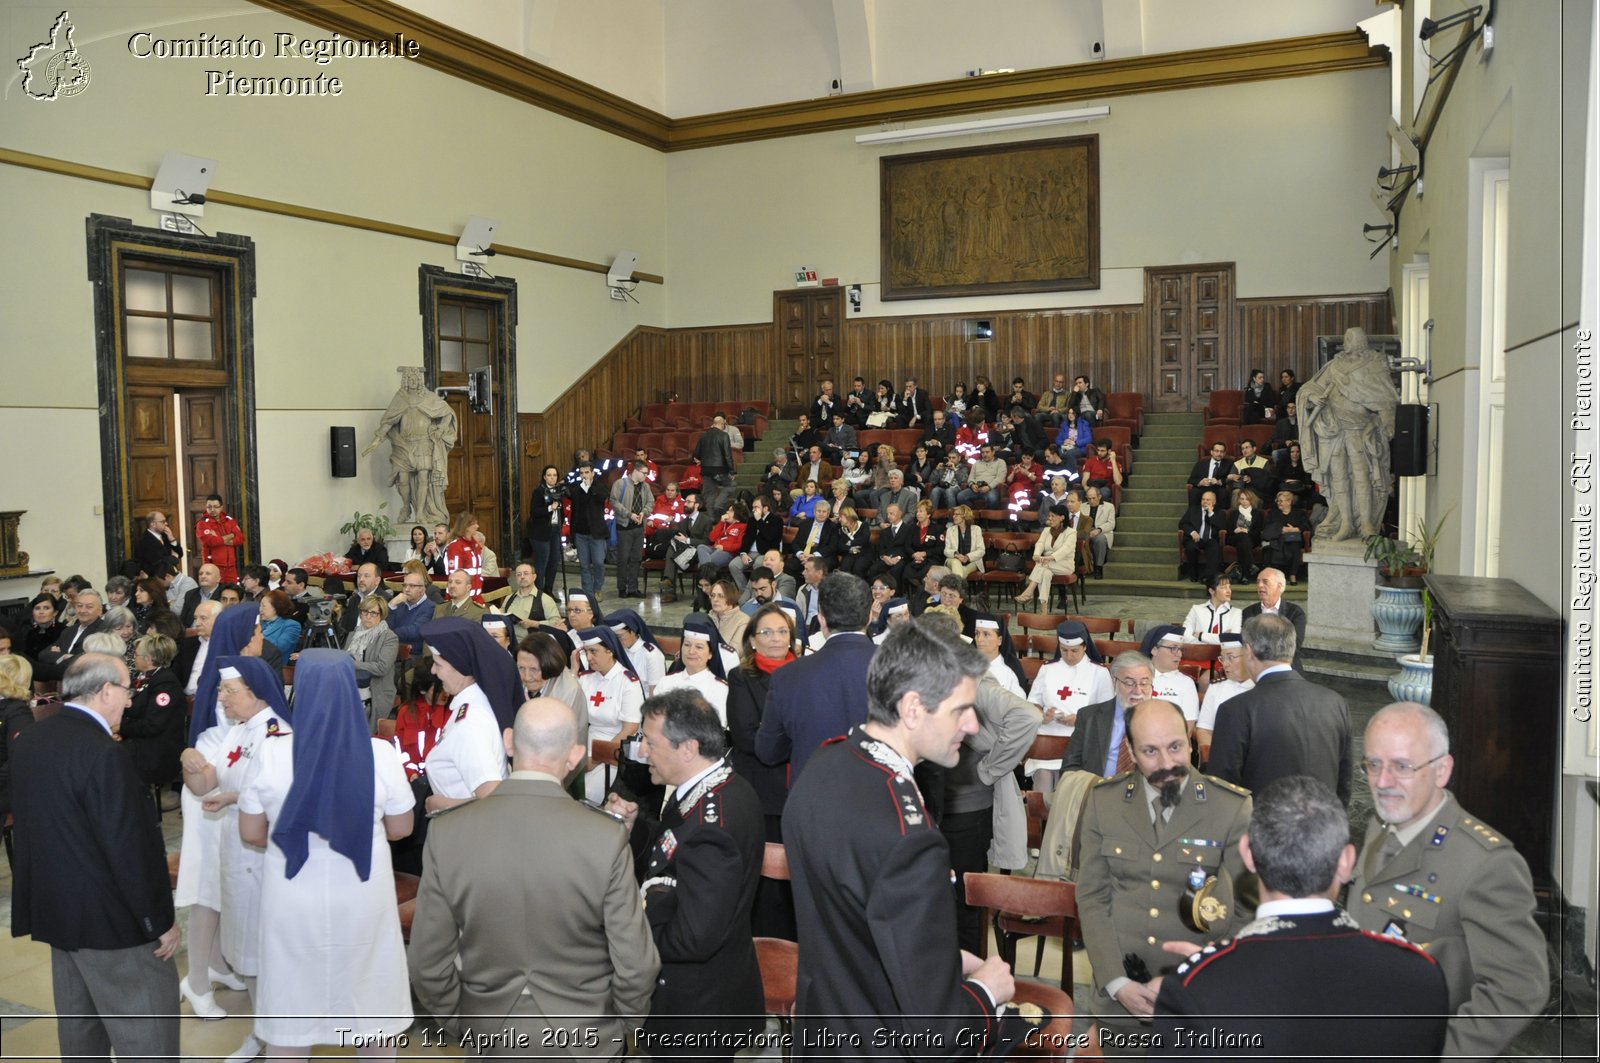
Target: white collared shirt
column 684, row 787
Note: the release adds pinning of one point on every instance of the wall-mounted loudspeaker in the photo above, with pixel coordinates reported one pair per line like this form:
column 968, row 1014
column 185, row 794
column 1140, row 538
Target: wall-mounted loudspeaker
column 1408, row 454
column 342, row 439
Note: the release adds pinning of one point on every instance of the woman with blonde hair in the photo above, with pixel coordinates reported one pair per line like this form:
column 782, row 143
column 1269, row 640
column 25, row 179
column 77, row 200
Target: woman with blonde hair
column 374, row 648
column 963, row 543
column 463, row 551
column 16, row 715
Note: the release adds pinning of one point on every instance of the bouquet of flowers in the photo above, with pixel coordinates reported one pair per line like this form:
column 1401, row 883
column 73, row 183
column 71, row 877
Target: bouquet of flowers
column 326, row 564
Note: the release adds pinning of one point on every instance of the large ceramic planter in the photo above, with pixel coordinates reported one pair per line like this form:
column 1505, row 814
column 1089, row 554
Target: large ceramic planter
column 1415, row 681
column 1398, row 611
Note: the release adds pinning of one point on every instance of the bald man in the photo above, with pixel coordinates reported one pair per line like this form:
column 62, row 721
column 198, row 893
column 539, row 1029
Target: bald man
column 1145, row 833
column 585, row 969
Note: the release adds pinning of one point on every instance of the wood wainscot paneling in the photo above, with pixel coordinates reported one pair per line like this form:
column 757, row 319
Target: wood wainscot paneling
column 1281, row 333
column 731, row 362
column 1102, row 342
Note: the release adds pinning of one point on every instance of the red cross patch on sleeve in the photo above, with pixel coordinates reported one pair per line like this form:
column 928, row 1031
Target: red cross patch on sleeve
column 163, row 699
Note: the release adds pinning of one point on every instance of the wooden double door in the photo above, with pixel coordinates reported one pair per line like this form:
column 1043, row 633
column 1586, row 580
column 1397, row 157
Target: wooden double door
column 1190, row 314
column 808, row 342
column 177, row 455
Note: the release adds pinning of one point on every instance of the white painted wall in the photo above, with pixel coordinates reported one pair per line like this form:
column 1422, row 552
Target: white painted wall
column 336, row 307
column 1272, row 175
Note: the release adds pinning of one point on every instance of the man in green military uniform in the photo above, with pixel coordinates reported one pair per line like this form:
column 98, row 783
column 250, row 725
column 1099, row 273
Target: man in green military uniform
column 1433, row 874
column 1151, row 838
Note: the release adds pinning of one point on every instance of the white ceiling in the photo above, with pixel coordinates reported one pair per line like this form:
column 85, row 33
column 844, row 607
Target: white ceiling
column 690, row 57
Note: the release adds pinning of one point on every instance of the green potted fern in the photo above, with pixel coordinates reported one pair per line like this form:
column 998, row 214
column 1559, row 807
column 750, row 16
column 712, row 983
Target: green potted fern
column 1398, row 606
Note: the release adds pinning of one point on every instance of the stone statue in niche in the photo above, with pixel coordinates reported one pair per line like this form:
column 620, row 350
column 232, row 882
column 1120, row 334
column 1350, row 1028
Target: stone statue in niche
column 1346, row 423
column 421, row 429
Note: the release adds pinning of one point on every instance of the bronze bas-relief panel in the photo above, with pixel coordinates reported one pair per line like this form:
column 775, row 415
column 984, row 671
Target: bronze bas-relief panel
column 981, row 221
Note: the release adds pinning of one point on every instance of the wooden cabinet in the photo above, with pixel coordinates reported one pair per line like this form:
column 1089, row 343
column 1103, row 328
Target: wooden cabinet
column 1497, row 683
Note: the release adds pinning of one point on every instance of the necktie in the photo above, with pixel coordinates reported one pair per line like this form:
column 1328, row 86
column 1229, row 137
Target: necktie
column 811, row 537
column 1203, row 533
column 1124, row 758
column 1390, row 849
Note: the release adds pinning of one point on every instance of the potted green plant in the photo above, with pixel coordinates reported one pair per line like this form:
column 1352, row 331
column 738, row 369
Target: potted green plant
column 1398, row 607
column 377, row 522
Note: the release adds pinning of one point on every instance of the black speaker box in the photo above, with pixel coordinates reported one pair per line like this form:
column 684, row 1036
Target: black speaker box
column 342, row 439
column 1408, row 454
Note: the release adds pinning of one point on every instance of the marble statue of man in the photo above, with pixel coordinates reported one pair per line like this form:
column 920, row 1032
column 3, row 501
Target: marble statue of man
column 1346, row 423
column 421, row 428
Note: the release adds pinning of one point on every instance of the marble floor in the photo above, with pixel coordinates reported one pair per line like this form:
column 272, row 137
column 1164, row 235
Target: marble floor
column 27, row 1030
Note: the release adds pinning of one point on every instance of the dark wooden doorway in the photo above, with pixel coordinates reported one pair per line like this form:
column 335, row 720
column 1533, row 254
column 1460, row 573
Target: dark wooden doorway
column 469, row 323
column 175, row 362
column 1190, row 315
column 177, row 455
column 808, row 342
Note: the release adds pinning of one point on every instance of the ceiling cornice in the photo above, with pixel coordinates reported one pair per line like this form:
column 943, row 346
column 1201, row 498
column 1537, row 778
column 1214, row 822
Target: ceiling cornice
column 461, row 55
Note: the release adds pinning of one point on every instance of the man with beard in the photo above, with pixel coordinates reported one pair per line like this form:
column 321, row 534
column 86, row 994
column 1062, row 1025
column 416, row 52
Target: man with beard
column 1155, row 841
column 1433, row 874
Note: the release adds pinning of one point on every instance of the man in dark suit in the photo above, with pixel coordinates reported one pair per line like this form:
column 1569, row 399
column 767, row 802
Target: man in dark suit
column 157, row 546
column 896, row 540
column 192, row 649
column 817, row 537
column 1098, row 737
column 878, row 950
column 690, row 533
column 1210, row 472
column 714, row 452
column 91, row 875
column 369, row 584
column 1202, row 526
column 207, row 588
column 823, row 694
column 709, row 841
column 1288, row 983
column 1284, row 725
column 1089, row 400
column 54, row 658
column 366, row 549
column 911, row 407
column 825, row 406
column 1269, row 594
column 593, row 963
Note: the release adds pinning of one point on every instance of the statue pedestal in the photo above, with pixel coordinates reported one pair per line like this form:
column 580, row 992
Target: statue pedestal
column 1339, row 609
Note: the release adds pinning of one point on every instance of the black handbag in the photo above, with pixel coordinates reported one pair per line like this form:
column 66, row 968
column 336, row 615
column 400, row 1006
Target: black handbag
column 1010, row 560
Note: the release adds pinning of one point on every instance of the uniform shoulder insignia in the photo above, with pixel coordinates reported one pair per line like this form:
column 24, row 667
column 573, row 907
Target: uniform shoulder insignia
column 276, row 729
column 1482, row 833
column 908, row 803
column 1223, row 784
column 1122, row 777
column 710, row 808
column 630, row 677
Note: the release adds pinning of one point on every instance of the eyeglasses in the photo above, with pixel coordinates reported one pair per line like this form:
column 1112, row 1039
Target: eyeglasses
column 771, row 633
column 372, row 612
column 1400, row 769
column 1131, row 683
